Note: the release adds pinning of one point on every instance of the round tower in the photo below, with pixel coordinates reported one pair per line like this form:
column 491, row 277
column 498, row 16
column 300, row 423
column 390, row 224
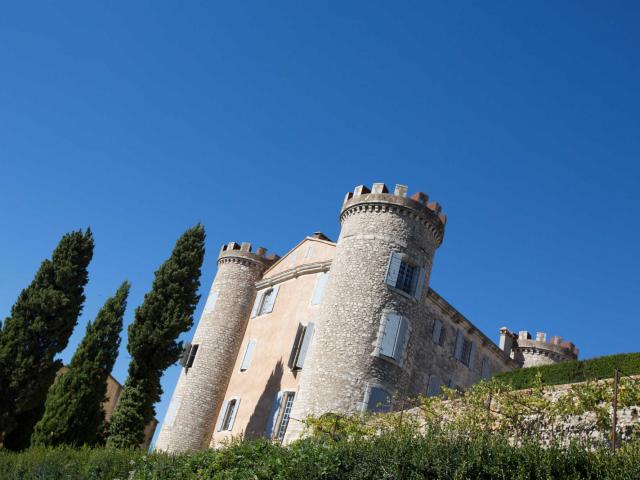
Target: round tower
column 369, row 322
column 533, row 353
column 208, row 362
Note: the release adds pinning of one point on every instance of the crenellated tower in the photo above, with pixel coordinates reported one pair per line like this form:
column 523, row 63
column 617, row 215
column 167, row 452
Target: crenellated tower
column 377, row 285
column 533, row 353
column 208, row 363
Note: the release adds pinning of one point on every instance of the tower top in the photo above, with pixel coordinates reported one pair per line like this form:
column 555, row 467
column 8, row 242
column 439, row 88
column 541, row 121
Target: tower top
column 243, row 252
column 379, row 197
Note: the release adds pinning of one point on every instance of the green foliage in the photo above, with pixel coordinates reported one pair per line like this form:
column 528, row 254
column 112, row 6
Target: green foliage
column 39, row 327
column 166, row 312
column 573, row 372
column 396, row 454
column 74, row 414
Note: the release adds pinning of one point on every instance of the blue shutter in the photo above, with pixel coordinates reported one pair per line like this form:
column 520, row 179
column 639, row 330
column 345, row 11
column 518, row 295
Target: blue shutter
column 271, row 300
column 233, row 414
column 486, row 368
column 256, row 304
column 433, row 388
column 437, row 330
column 422, row 274
column 306, row 341
column 392, row 322
column 223, row 412
column 458, row 345
column 248, row 353
column 211, row 302
column 472, row 356
column 273, row 414
column 379, row 400
column 395, row 260
column 401, row 339
column 319, row 289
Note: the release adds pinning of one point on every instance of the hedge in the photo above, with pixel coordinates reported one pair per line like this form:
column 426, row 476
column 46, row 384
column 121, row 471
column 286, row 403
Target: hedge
column 573, row 372
column 398, row 455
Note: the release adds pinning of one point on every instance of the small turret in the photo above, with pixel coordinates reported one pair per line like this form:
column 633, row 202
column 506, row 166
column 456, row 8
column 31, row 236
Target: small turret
column 532, row 353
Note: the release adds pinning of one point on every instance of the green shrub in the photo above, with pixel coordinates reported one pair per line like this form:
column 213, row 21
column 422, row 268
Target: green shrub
column 573, row 372
column 399, row 454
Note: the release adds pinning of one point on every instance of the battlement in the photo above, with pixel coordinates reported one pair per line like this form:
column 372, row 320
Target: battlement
column 245, row 250
column 379, row 195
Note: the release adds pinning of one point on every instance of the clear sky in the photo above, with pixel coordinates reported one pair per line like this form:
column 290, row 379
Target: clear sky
column 140, row 119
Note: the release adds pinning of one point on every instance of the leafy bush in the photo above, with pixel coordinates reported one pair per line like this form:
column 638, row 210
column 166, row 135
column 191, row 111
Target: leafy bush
column 397, row 454
column 573, row 372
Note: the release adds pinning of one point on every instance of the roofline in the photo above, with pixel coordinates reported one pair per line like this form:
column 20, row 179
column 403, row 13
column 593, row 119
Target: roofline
column 326, row 242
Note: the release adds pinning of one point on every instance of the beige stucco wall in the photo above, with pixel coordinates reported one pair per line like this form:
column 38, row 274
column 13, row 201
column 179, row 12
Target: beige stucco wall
column 274, row 333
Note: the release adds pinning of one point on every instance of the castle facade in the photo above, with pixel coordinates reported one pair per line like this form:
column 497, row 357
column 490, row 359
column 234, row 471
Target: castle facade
column 346, row 327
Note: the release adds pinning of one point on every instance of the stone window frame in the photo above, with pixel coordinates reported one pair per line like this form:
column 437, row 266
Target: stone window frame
column 380, row 335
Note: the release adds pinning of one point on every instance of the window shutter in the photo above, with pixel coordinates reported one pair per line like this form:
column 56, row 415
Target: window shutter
column 233, row 414
column 420, row 283
column 223, row 413
column 379, row 400
column 256, row 304
column 433, row 388
column 403, row 329
column 437, row 330
column 192, row 356
column 295, row 348
column 459, row 345
column 306, row 341
column 172, row 411
column 472, row 356
column 319, row 290
column 390, row 334
column 248, row 353
column 271, row 300
column 486, row 368
column 273, row 415
column 309, row 251
column 395, row 260
column 184, row 356
column 211, row 302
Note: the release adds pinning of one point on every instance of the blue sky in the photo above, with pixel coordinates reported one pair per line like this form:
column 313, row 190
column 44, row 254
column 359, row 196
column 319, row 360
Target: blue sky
column 140, row 119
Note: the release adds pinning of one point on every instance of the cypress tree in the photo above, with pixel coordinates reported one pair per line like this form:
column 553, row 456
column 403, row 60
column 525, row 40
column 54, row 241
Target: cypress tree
column 166, row 312
column 74, row 414
column 39, row 327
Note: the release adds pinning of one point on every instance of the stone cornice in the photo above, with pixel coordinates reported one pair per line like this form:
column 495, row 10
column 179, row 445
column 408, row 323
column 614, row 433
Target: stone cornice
column 295, row 272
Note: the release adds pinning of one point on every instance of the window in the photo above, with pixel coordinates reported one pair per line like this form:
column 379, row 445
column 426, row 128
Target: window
column 486, row 368
column 438, row 334
column 248, row 354
column 285, row 413
column 172, row 411
column 211, row 302
column 464, row 350
column 318, row 292
column 404, row 275
column 378, row 400
column 265, row 301
column 228, row 415
column 309, row 251
column 188, row 355
column 394, row 333
column 301, row 343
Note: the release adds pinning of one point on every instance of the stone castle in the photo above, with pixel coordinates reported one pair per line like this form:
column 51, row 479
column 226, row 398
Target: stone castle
column 345, row 326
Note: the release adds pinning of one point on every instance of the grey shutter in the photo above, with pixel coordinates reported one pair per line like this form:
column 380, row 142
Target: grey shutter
column 420, row 284
column 401, row 339
column 211, row 302
column 472, row 356
column 433, row 388
column 392, row 322
column 379, row 400
column 223, row 413
column 273, row 415
column 459, row 344
column 395, row 260
column 233, row 414
column 172, row 411
column 248, row 353
column 295, row 348
column 437, row 330
column 486, row 368
column 271, row 300
column 256, row 304
column 308, row 335
column 319, row 290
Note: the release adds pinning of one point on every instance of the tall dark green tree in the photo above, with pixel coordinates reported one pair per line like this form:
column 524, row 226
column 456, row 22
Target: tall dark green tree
column 166, row 312
column 73, row 413
column 39, row 327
